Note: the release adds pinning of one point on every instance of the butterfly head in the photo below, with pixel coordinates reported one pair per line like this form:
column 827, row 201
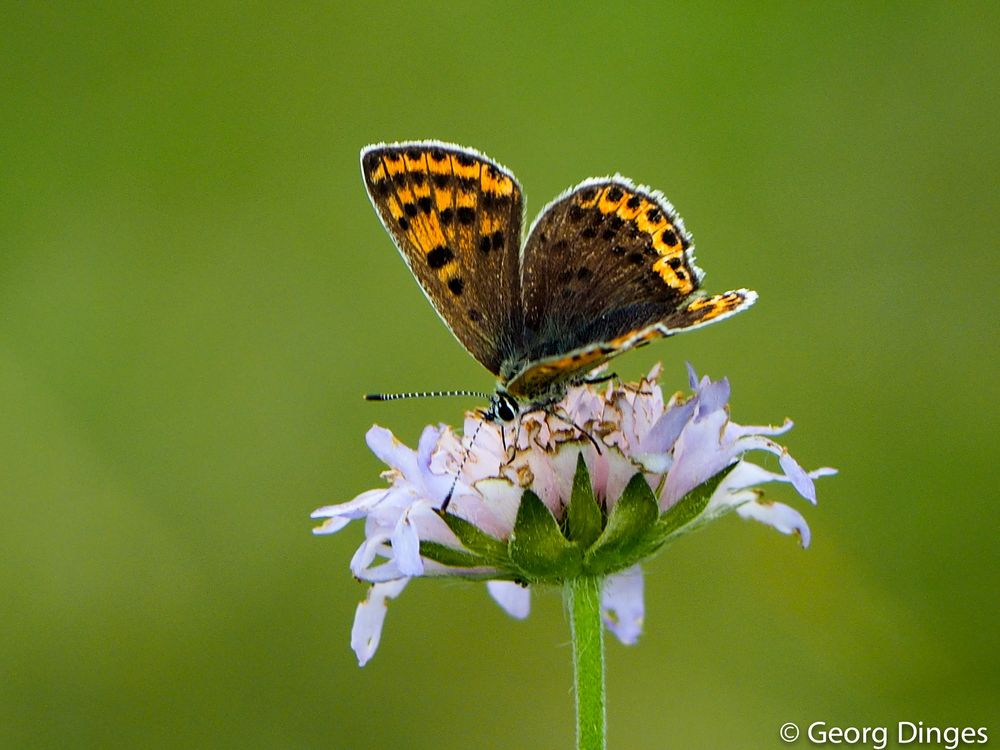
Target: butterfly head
column 503, row 407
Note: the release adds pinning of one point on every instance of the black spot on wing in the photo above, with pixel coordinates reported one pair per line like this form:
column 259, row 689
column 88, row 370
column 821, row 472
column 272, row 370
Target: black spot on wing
column 440, row 256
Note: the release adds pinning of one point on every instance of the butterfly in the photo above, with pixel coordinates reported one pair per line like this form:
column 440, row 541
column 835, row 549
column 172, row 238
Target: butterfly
column 606, row 267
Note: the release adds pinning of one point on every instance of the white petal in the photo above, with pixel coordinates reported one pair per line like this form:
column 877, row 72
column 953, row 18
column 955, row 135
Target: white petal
column 746, row 474
column 425, row 446
column 796, row 474
column 356, row 508
column 406, row 546
column 800, row 480
column 623, row 606
column 390, row 451
column 432, row 568
column 724, row 499
column 371, row 547
column 735, row 431
column 514, row 599
column 369, row 617
column 331, row 526
column 655, row 463
column 382, row 573
column 785, row 519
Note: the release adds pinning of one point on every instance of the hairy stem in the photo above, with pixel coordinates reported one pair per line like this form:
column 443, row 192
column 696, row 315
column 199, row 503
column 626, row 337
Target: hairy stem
column 583, row 602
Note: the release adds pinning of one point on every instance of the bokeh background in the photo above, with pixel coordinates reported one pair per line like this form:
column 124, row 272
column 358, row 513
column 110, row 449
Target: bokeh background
column 195, row 292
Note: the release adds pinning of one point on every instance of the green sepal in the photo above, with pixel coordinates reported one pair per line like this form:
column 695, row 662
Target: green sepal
column 630, row 521
column 451, row 557
column 691, row 506
column 537, row 545
column 477, row 541
column 584, row 518
column 685, row 515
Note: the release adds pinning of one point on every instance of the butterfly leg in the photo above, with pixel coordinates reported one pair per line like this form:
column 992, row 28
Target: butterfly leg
column 600, row 378
column 509, row 452
column 565, row 418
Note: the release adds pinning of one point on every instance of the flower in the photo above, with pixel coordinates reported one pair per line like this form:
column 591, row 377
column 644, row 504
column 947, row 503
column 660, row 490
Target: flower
column 537, row 502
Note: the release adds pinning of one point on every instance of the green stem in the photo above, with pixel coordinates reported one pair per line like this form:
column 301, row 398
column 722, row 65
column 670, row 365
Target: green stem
column 583, row 600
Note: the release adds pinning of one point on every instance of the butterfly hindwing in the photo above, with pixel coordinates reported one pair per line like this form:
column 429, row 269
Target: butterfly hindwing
column 538, row 376
column 456, row 218
column 701, row 311
column 607, row 267
column 601, row 260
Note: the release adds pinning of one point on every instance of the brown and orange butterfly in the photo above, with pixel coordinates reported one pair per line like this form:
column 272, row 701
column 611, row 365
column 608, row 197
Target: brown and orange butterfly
column 607, row 266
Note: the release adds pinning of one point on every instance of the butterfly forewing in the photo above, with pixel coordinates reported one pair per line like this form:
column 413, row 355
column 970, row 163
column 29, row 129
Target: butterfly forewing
column 456, row 218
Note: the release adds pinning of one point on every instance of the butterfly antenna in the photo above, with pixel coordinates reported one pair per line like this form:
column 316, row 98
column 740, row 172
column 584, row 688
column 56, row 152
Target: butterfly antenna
column 438, row 394
column 461, row 465
column 423, row 394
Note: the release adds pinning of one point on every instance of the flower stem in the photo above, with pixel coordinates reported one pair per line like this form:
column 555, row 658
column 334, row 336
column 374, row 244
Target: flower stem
column 583, row 600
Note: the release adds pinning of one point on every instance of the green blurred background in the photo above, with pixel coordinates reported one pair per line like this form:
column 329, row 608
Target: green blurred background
column 195, row 291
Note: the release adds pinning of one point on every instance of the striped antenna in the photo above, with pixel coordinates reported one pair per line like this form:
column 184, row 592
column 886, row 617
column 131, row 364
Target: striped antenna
column 501, row 408
column 465, row 457
column 424, row 394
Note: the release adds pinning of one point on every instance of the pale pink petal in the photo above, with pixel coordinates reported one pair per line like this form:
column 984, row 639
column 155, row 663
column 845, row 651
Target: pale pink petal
column 665, row 431
column 698, row 456
column 501, row 500
column 712, row 398
column 619, row 472
column 692, row 376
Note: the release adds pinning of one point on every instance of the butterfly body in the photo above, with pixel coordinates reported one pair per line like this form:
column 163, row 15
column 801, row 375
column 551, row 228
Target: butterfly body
column 606, row 267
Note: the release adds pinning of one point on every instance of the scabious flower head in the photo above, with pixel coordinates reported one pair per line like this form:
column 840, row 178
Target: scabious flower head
column 536, row 503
